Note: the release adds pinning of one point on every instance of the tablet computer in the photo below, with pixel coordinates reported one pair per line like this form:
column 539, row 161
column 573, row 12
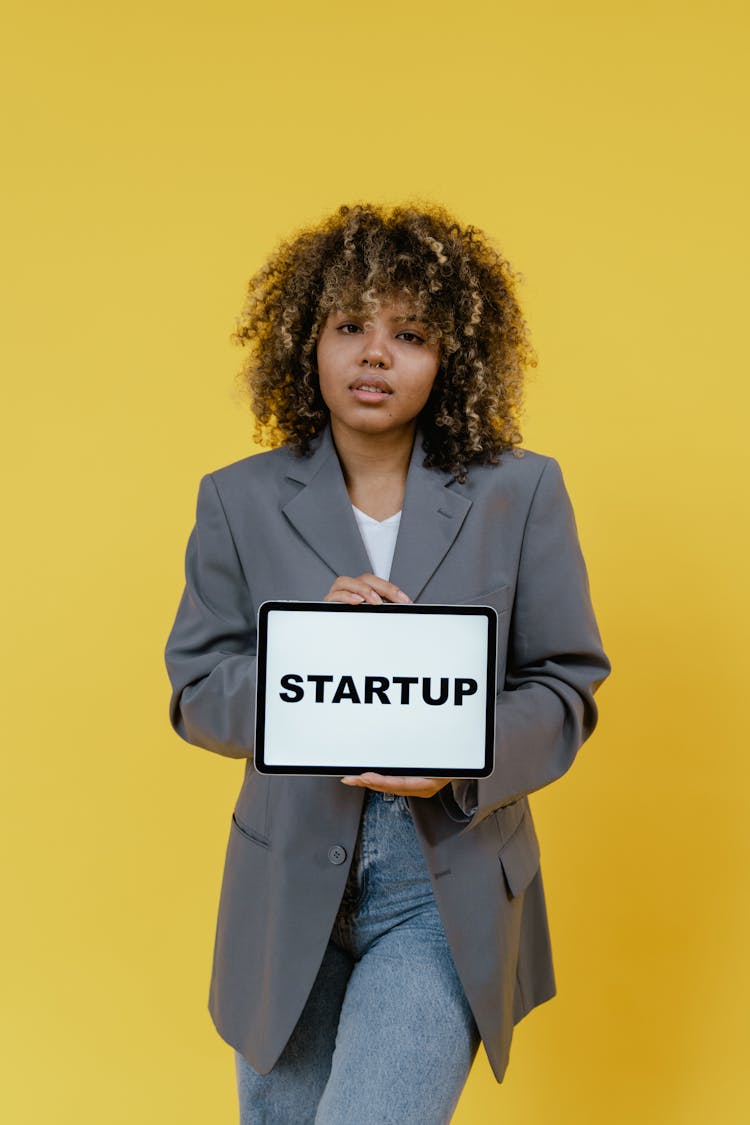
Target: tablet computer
column 398, row 689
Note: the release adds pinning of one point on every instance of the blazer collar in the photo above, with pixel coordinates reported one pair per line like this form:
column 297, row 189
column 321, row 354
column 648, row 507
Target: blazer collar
column 321, row 511
column 433, row 511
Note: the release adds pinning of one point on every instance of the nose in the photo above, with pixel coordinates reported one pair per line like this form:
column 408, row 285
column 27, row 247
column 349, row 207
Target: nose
column 375, row 350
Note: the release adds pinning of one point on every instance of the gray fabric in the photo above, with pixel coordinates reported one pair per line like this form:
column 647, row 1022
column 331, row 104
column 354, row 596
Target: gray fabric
column 274, row 526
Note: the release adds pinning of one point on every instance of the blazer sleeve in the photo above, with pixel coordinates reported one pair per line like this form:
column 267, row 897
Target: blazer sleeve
column 546, row 709
column 211, row 649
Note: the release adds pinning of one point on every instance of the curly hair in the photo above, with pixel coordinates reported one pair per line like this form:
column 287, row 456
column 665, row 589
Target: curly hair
column 364, row 255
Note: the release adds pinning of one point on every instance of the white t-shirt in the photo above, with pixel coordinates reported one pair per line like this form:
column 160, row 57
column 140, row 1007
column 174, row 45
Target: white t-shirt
column 379, row 537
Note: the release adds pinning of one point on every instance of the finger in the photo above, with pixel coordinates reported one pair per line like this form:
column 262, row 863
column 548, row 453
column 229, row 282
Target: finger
column 360, row 587
column 347, row 597
column 387, row 590
column 369, row 587
column 347, row 589
column 373, row 781
column 386, row 783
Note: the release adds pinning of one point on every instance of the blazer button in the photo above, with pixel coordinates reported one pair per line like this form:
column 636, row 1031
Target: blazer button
column 337, row 854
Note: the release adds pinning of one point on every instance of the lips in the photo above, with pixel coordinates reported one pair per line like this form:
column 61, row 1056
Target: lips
column 371, row 383
column 371, row 388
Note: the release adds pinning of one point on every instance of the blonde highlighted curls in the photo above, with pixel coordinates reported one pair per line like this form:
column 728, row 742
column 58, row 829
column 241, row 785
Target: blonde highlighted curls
column 362, row 255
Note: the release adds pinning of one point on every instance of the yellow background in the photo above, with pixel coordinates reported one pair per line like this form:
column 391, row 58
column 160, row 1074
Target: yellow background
column 154, row 154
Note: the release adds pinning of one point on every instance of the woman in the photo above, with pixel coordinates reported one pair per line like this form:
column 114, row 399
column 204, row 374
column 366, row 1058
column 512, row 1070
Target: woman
column 373, row 929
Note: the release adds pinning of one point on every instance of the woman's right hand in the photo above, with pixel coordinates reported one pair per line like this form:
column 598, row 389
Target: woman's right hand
column 365, row 588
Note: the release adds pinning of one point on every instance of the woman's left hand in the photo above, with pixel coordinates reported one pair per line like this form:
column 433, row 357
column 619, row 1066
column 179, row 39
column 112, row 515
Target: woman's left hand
column 403, row 786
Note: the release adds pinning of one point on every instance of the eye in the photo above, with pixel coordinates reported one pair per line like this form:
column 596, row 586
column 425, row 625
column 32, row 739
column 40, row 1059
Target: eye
column 412, row 337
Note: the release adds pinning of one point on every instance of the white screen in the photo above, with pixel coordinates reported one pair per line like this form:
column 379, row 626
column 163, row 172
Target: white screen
column 368, row 734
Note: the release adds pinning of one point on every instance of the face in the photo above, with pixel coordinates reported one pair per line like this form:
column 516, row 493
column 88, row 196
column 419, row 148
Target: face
column 376, row 374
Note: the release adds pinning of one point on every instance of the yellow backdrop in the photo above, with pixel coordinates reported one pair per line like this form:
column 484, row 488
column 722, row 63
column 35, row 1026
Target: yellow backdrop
column 154, row 154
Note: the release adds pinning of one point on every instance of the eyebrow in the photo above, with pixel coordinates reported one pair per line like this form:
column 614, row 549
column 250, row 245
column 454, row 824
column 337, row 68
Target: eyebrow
column 411, row 318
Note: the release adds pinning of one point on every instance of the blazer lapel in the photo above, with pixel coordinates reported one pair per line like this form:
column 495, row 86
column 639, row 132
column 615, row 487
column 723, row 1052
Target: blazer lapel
column 431, row 519
column 322, row 513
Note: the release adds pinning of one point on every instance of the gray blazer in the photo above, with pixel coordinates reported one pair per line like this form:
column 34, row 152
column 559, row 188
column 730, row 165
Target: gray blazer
column 274, row 526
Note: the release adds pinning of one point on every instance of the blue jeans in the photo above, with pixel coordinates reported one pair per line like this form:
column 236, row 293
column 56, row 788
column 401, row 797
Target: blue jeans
column 387, row 1036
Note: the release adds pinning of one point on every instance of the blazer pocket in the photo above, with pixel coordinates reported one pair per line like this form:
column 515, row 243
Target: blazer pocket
column 251, row 809
column 499, row 599
column 250, row 833
column 519, row 855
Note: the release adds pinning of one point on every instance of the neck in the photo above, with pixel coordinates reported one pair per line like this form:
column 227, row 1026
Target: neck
column 375, row 467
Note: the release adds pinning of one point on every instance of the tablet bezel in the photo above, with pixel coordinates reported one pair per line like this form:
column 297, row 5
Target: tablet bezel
column 473, row 610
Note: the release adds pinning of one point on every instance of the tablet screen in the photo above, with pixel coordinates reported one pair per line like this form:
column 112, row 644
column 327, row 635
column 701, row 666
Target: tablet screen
column 398, row 689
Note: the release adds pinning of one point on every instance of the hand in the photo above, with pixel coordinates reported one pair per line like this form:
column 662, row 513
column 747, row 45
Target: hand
column 403, row 786
column 366, row 588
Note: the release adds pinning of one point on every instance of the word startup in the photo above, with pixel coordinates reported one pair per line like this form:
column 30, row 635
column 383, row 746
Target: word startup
column 377, row 687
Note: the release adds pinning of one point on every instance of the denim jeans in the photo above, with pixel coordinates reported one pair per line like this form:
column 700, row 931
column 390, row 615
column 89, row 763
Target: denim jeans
column 387, row 1036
